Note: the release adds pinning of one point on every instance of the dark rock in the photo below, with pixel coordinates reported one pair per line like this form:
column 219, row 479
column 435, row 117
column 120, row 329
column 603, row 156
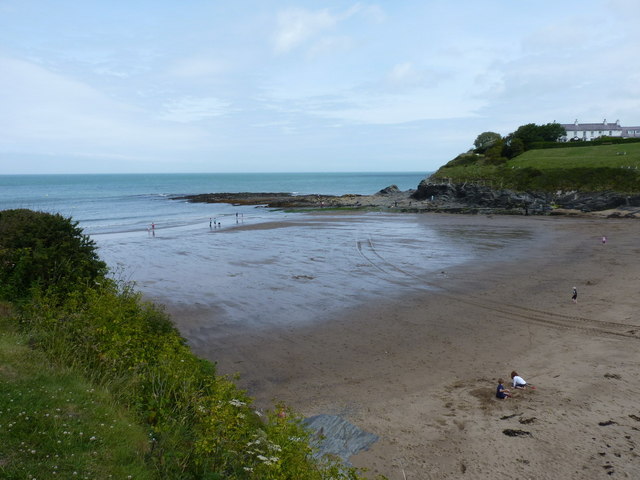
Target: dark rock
column 516, row 433
column 607, row 423
column 389, row 190
column 336, row 436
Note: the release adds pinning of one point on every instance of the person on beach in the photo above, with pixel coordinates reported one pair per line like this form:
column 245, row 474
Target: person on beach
column 502, row 392
column 574, row 295
column 518, row 381
column 604, row 240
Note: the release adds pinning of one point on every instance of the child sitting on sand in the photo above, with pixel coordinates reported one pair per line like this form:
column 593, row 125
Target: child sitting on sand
column 502, row 392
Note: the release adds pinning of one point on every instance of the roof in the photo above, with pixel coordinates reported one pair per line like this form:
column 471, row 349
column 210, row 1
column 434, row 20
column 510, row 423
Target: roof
column 571, row 127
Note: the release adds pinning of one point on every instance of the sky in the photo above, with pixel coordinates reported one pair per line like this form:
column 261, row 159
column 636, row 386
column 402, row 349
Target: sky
column 119, row 86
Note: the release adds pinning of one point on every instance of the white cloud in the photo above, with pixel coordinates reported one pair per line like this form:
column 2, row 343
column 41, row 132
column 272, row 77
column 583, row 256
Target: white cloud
column 44, row 111
column 296, row 25
column 190, row 109
column 405, row 75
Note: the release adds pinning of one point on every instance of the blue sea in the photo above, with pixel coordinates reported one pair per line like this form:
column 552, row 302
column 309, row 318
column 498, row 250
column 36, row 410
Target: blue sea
column 126, row 202
column 261, row 267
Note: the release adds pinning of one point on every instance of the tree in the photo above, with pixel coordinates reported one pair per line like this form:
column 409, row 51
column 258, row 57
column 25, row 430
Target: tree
column 43, row 250
column 552, row 132
column 532, row 133
column 528, row 133
column 486, row 140
column 514, row 148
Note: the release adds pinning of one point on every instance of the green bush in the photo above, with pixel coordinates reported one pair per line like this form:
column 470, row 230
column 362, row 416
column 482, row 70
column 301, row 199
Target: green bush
column 44, row 251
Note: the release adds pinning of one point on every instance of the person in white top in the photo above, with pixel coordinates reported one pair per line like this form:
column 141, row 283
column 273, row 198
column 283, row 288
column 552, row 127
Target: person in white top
column 518, row 381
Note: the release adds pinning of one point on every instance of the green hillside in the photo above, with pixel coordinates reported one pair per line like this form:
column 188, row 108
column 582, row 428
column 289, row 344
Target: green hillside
column 624, row 155
column 584, row 168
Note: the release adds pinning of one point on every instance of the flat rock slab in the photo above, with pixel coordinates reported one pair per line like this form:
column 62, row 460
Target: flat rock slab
column 336, row 436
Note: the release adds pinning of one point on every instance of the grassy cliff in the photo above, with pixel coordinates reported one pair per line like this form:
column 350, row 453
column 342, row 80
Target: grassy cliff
column 585, row 168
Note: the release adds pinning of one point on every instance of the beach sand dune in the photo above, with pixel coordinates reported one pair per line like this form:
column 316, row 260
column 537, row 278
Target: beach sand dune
column 420, row 369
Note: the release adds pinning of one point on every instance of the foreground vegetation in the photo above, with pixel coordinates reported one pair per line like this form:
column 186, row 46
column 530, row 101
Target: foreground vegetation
column 96, row 382
column 579, row 166
column 55, row 423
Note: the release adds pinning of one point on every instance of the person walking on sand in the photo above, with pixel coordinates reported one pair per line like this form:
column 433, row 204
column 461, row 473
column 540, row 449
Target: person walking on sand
column 502, row 392
column 574, row 295
column 604, row 240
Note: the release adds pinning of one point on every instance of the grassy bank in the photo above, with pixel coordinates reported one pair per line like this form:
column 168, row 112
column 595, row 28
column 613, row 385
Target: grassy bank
column 56, row 424
column 587, row 168
column 613, row 156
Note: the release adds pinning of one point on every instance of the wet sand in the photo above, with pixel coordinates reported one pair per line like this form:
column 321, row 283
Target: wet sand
column 419, row 367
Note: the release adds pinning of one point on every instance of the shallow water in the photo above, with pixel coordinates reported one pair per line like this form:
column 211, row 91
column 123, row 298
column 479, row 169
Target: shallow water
column 291, row 269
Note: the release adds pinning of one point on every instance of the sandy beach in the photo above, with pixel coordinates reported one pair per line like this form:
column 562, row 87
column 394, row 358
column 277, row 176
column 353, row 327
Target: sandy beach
column 419, row 369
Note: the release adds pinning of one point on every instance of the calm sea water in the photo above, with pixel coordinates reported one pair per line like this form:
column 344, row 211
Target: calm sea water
column 262, row 267
column 118, row 203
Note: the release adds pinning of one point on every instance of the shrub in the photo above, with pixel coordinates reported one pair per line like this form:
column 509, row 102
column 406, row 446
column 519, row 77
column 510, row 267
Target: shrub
column 44, row 251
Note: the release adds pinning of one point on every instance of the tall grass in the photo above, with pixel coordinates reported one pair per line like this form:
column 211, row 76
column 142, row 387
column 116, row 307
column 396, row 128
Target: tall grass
column 202, row 425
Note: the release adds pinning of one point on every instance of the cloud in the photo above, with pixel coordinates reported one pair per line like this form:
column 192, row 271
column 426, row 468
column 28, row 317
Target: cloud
column 296, row 25
column 407, row 75
column 190, row 109
column 44, row 111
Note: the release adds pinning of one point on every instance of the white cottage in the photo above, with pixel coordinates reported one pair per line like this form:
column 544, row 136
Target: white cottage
column 591, row 131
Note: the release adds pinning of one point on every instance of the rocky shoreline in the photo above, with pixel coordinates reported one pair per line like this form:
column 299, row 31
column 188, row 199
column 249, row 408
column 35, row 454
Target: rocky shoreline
column 446, row 198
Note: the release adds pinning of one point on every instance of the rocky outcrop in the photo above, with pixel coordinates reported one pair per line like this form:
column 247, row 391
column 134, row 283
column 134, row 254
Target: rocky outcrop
column 595, row 201
column 481, row 196
column 444, row 197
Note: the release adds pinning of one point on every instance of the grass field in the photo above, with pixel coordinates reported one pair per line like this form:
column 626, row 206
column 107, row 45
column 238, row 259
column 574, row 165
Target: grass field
column 623, row 155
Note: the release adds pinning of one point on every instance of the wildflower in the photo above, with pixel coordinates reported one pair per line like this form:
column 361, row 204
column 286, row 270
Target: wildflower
column 237, row 403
